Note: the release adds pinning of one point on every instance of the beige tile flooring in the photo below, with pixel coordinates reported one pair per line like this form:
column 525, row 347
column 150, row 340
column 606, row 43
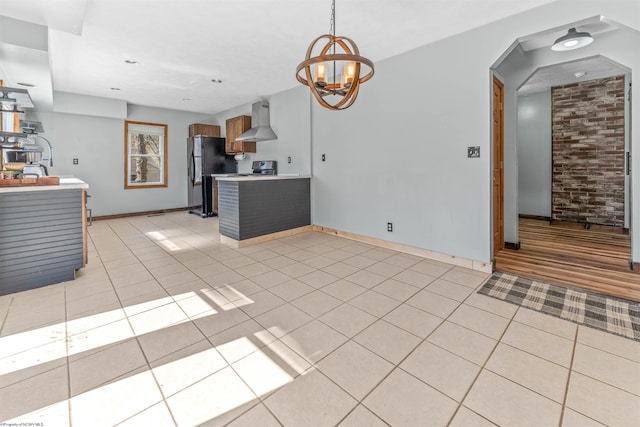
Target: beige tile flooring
column 166, row 326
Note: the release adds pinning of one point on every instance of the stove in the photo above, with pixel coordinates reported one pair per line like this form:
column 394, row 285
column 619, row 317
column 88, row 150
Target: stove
column 265, row 167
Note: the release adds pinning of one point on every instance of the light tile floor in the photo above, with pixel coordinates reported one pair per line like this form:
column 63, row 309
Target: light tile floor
column 166, row 326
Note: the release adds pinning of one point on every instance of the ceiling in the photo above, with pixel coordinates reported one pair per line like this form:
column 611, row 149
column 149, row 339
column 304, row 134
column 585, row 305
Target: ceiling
column 591, row 68
column 252, row 46
column 596, row 67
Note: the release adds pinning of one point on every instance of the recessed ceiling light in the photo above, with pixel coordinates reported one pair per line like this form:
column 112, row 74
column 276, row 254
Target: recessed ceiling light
column 25, row 84
column 115, row 88
column 216, row 80
column 130, row 61
column 186, row 99
column 580, row 74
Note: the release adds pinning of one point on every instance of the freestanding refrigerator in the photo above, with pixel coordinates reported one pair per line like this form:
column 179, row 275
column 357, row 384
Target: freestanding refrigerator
column 205, row 156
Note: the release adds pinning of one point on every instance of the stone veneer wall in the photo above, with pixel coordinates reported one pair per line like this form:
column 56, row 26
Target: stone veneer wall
column 588, row 152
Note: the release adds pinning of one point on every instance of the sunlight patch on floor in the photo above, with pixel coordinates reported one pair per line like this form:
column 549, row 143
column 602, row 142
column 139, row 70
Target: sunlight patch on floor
column 85, row 334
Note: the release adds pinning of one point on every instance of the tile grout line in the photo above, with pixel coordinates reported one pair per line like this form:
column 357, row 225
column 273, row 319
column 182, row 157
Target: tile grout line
column 68, row 362
column 206, row 338
column 6, row 315
column 396, row 366
column 313, row 366
column 483, row 366
column 512, row 320
column 150, row 370
column 566, row 390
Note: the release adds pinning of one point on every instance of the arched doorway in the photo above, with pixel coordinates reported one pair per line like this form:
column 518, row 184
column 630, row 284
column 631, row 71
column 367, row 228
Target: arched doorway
column 555, row 253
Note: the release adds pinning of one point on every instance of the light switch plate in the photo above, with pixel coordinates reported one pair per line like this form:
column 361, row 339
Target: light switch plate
column 473, row 152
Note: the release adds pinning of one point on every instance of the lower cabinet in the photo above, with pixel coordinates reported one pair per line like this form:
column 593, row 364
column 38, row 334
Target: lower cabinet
column 259, row 207
column 43, row 238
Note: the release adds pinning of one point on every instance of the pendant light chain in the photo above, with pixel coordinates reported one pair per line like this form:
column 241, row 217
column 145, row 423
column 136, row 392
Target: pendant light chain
column 332, row 28
column 333, row 33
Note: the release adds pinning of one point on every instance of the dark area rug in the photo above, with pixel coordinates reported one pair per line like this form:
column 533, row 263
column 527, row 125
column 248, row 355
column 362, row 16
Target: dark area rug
column 615, row 315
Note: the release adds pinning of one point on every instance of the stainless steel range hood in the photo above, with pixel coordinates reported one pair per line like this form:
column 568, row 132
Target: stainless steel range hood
column 261, row 128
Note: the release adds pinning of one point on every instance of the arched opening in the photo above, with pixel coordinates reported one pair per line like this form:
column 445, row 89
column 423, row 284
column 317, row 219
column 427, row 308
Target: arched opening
column 567, row 193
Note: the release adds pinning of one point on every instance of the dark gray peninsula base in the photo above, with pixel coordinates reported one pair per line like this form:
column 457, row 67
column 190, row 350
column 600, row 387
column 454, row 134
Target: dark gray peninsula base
column 43, row 233
column 250, row 207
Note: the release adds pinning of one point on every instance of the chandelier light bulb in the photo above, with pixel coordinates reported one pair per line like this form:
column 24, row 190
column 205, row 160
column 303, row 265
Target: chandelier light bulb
column 321, row 73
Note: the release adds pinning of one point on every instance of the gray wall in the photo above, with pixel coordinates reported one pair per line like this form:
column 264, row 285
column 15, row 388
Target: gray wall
column 399, row 153
column 291, row 121
column 98, row 144
column 534, row 154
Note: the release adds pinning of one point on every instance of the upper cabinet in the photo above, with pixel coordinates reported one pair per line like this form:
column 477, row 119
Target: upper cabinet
column 204, row 130
column 236, row 127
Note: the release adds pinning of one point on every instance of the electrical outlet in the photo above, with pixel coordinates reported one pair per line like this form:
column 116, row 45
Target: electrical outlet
column 324, row 158
column 473, row 152
column 289, row 159
column 389, row 226
column 75, row 161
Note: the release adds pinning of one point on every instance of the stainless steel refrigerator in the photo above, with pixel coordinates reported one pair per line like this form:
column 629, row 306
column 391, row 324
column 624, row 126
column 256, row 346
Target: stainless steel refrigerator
column 205, row 156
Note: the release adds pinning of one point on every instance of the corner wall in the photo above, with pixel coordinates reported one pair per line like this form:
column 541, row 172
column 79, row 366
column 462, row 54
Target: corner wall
column 98, row 144
column 291, row 121
column 534, row 154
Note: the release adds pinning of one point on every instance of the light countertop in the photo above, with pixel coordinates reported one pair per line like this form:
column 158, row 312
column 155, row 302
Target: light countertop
column 229, row 177
column 66, row 183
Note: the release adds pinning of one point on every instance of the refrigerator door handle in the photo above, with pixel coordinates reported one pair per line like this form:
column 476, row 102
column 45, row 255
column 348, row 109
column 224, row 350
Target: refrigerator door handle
column 193, row 169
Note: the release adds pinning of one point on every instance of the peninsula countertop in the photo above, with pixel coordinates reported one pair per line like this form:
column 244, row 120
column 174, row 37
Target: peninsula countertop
column 66, row 183
column 257, row 177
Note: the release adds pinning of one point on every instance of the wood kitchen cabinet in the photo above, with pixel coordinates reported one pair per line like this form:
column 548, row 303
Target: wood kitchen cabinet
column 203, row 129
column 235, row 127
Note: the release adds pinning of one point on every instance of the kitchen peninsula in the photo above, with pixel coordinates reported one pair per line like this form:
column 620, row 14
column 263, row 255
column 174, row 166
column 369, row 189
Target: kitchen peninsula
column 44, row 237
column 256, row 207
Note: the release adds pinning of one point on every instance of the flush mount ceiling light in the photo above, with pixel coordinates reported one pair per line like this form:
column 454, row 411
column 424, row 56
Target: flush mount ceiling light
column 334, row 75
column 572, row 40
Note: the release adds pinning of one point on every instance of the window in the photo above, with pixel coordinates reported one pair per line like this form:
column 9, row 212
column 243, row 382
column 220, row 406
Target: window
column 145, row 155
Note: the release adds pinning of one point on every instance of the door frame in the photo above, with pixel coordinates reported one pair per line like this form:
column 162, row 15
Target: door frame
column 499, row 141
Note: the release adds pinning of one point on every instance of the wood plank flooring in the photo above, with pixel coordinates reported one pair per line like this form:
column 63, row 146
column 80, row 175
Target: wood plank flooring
column 592, row 259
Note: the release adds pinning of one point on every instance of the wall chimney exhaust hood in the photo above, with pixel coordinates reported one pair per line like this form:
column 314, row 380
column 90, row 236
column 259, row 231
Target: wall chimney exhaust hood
column 261, row 129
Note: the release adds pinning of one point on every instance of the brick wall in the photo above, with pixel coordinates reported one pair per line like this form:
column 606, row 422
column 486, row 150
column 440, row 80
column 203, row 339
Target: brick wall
column 588, row 152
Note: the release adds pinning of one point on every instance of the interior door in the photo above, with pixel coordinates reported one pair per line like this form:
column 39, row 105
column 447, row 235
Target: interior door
column 498, row 165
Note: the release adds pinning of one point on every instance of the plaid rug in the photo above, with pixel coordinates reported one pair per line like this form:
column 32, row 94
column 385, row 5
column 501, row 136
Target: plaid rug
column 609, row 314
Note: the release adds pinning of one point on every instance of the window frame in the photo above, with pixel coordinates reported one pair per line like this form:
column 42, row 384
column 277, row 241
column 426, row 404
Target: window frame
column 129, row 129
